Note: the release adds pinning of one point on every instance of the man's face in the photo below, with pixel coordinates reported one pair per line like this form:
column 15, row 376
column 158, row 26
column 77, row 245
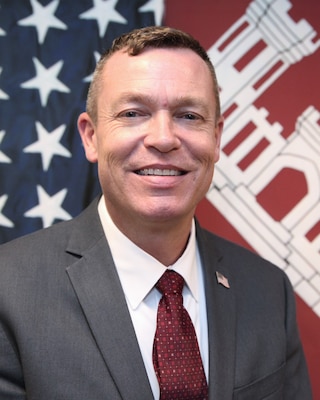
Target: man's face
column 156, row 138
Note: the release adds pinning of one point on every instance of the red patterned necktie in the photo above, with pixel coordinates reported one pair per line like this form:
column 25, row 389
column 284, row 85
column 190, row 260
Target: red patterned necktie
column 176, row 354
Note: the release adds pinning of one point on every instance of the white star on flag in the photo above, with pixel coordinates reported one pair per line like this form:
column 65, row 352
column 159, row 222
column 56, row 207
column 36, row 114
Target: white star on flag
column 49, row 207
column 43, row 19
column 48, row 145
column 155, row 6
column 2, row 32
column 3, row 157
column 46, row 80
column 222, row 280
column 3, row 95
column 104, row 12
column 4, row 221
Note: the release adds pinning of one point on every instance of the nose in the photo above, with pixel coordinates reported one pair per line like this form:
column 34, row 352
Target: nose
column 162, row 133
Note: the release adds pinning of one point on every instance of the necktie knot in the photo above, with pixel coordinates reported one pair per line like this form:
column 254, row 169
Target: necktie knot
column 170, row 283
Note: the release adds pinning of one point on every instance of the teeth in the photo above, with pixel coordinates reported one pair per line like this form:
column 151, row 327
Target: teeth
column 159, row 172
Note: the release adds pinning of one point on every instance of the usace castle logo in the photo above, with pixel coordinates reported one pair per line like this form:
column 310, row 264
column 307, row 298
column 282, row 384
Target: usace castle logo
column 267, row 186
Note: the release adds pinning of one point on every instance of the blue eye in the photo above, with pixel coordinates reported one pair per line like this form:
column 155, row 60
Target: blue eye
column 130, row 114
column 190, row 116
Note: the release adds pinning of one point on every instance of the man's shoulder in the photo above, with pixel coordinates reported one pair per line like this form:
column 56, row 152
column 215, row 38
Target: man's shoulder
column 47, row 241
column 43, row 247
column 239, row 260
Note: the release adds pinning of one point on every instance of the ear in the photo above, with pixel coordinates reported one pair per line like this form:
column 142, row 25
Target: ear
column 218, row 133
column 88, row 135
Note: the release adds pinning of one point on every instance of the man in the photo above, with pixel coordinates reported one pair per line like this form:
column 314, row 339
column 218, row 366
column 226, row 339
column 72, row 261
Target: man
column 79, row 310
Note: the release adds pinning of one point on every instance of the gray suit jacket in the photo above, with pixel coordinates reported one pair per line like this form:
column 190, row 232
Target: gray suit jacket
column 66, row 333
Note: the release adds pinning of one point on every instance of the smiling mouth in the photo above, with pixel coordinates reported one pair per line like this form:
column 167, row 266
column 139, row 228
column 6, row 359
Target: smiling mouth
column 159, row 172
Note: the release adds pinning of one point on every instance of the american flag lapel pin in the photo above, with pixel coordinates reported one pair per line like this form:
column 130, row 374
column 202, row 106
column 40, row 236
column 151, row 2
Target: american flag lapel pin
column 222, row 280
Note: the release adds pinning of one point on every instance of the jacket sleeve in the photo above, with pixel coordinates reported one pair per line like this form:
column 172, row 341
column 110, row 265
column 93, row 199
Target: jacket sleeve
column 297, row 384
column 11, row 377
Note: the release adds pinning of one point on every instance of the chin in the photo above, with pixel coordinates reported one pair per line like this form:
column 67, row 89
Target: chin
column 167, row 213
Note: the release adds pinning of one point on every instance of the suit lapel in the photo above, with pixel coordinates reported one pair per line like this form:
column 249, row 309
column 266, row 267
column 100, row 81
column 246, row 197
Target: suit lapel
column 96, row 283
column 221, row 316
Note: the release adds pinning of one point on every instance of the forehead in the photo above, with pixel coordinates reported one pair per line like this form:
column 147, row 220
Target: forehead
column 179, row 65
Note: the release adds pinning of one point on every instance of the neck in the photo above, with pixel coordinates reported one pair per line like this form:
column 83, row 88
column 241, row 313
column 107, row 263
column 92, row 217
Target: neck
column 165, row 241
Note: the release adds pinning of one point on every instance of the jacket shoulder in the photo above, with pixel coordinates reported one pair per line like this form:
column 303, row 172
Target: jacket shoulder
column 46, row 243
column 235, row 259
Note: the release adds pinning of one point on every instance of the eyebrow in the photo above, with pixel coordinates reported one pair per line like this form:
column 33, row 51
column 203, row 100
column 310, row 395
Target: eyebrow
column 182, row 101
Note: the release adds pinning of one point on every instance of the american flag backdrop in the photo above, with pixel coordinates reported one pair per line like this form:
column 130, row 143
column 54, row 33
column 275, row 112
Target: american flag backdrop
column 48, row 50
column 266, row 191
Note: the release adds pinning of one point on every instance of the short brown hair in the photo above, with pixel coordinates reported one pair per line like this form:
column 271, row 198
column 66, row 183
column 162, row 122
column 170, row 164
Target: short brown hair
column 135, row 42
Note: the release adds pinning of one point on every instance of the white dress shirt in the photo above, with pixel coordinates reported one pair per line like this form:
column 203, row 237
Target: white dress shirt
column 139, row 272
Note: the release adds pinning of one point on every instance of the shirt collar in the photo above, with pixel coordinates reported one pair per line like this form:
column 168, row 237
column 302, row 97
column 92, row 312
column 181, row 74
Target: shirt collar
column 139, row 271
